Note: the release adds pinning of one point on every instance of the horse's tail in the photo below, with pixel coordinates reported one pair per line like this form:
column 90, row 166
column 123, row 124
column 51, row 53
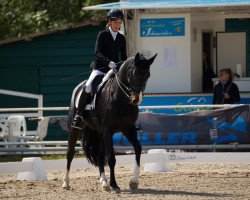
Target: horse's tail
column 91, row 145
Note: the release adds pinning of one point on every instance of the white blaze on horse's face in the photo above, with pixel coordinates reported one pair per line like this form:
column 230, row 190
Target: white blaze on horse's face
column 136, row 98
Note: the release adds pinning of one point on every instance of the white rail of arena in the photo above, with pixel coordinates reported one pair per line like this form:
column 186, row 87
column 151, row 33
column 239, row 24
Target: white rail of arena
column 2, row 110
column 61, row 146
column 27, row 95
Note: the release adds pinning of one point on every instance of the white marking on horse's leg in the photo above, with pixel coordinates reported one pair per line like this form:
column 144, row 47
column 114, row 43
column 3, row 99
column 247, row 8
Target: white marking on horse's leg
column 104, row 183
column 103, row 177
column 134, row 181
column 66, row 180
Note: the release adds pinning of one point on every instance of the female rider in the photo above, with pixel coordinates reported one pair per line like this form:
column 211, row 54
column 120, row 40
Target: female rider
column 110, row 48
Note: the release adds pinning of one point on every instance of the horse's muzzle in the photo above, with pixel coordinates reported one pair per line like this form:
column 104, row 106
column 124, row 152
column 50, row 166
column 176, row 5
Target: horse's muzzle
column 136, row 98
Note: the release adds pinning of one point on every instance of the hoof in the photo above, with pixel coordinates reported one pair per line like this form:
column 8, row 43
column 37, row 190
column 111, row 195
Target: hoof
column 117, row 190
column 66, row 186
column 105, row 186
column 133, row 185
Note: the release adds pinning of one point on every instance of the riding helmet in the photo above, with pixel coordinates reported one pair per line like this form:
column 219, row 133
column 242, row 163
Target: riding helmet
column 115, row 13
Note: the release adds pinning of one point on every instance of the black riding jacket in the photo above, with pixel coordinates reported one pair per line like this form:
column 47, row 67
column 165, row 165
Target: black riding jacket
column 231, row 88
column 107, row 50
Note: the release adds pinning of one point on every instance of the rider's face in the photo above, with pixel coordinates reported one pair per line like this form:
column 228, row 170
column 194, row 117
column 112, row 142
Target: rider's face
column 115, row 25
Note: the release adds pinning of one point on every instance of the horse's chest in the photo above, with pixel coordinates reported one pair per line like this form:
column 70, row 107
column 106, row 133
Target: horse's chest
column 127, row 116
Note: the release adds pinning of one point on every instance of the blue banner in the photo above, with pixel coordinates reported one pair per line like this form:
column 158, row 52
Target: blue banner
column 161, row 27
column 219, row 126
column 177, row 100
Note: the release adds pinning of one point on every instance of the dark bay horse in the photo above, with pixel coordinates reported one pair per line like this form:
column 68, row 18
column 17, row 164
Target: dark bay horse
column 116, row 110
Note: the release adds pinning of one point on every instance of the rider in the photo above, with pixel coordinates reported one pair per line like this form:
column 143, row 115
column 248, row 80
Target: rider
column 110, row 49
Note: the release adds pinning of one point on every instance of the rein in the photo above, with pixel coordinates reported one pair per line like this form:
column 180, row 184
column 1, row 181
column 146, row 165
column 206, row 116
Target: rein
column 122, row 86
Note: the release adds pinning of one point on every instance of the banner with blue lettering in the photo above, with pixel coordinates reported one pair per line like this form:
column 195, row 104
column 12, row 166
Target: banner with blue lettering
column 161, row 27
column 220, row 126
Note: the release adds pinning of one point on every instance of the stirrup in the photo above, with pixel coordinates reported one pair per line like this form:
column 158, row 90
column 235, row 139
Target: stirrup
column 77, row 121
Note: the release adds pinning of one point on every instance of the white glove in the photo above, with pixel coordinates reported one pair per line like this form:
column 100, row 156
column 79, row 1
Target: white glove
column 112, row 65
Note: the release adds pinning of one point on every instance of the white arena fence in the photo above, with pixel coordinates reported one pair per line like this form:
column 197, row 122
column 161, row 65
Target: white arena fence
column 41, row 147
column 60, row 147
column 157, row 160
column 14, row 110
column 29, row 96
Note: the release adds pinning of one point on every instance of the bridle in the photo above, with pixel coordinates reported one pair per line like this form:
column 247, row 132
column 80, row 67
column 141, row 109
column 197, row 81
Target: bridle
column 141, row 74
column 127, row 91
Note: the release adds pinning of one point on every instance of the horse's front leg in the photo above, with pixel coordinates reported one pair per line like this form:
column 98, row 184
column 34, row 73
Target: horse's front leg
column 132, row 138
column 108, row 138
column 73, row 136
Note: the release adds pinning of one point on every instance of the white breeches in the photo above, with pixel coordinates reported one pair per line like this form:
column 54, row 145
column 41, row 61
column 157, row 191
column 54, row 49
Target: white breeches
column 92, row 76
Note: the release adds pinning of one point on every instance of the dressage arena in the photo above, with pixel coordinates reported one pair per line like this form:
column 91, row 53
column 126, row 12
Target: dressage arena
column 186, row 181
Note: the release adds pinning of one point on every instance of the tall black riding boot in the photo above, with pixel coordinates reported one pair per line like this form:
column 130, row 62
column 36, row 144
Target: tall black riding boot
column 77, row 121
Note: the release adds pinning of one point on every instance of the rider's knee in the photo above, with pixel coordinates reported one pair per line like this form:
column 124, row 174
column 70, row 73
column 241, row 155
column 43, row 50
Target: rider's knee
column 88, row 88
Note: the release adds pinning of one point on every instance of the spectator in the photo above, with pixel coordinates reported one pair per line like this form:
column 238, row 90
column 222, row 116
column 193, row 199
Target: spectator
column 226, row 91
column 207, row 74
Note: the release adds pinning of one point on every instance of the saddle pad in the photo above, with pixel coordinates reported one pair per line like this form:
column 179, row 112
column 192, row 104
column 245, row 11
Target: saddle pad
column 90, row 106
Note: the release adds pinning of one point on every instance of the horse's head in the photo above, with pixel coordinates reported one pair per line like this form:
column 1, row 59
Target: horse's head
column 137, row 76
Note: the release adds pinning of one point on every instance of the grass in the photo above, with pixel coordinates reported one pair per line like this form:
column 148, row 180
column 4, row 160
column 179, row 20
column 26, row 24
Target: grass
column 18, row 158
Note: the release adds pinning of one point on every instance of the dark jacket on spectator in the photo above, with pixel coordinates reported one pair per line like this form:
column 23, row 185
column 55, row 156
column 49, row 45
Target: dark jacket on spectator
column 231, row 88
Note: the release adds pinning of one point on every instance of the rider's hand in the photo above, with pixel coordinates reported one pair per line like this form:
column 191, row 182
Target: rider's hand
column 112, row 65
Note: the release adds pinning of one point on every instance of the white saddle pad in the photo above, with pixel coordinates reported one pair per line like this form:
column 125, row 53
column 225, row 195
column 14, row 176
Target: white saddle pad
column 90, row 106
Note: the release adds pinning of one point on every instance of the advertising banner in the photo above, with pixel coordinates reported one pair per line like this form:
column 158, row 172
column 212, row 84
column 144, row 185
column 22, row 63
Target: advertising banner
column 162, row 27
column 220, row 126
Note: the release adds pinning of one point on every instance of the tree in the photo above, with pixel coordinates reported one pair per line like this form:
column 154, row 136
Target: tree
column 21, row 17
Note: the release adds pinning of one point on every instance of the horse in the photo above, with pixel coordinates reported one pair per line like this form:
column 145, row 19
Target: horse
column 116, row 110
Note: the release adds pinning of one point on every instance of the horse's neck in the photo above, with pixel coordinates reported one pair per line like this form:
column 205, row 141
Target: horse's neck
column 122, row 73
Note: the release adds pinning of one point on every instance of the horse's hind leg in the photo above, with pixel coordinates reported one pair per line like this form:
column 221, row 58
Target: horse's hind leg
column 132, row 138
column 73, row 136
column 101, row 164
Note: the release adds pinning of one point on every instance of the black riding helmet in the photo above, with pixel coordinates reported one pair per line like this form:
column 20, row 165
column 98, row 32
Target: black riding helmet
column 115, row 13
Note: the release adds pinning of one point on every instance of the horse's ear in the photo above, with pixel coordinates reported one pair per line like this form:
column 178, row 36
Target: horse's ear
column 137, row 57
column 151, row 60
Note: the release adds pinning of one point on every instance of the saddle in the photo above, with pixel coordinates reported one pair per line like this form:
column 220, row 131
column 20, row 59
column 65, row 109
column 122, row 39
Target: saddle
column 97, row 85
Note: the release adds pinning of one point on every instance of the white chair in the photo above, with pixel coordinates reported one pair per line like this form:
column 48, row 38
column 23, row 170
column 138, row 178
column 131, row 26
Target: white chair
column 42, row 129
column 15, row 125
column 4, row 131
column 17, row 131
